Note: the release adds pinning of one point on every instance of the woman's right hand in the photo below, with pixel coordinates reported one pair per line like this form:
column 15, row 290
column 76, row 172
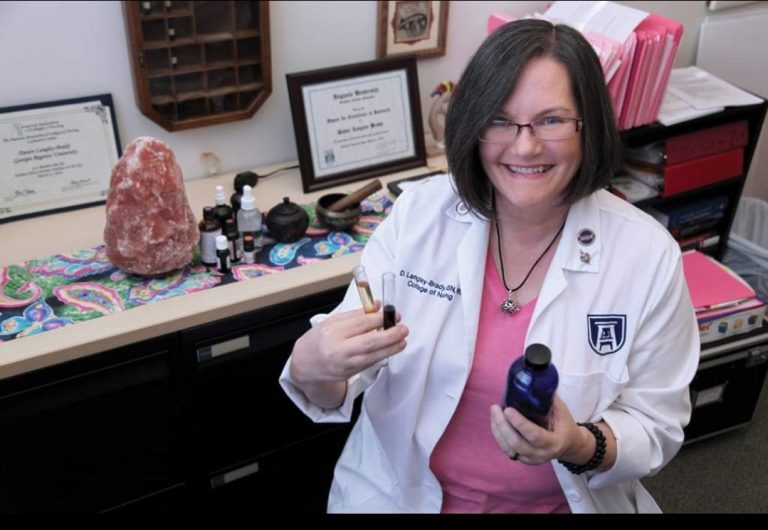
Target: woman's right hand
column 339, row 347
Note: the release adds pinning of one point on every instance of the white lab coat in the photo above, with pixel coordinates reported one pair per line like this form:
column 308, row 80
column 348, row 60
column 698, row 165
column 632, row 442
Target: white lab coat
column 437, row 251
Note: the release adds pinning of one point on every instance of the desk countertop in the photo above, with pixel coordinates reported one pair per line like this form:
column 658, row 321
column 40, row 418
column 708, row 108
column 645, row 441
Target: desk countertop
column 43, row 236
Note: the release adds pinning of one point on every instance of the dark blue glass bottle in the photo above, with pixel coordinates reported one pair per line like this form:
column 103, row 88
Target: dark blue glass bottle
column 531, row 384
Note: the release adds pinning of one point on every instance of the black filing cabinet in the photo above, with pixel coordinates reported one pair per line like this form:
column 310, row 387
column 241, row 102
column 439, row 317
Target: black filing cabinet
column 192, row 420
column 251, row 446
column 93, row 434
column 727, row 385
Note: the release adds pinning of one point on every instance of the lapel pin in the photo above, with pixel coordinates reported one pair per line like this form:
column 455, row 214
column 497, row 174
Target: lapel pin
column 586, row 237
column 584, row 256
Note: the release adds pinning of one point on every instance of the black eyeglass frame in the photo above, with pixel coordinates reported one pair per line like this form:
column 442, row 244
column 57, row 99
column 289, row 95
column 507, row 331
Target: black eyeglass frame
column 532, row 126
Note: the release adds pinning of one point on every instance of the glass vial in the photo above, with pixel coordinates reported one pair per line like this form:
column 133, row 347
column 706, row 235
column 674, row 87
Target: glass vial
column 388, row 298
column 531, row 384
column 363, row 289
column 146, row 8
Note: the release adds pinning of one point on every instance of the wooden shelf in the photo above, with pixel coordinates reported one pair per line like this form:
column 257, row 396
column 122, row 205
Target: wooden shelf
column 212, row 41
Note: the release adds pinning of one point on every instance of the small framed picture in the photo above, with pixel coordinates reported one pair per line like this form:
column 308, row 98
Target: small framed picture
column 356, row 121
column 411, row 28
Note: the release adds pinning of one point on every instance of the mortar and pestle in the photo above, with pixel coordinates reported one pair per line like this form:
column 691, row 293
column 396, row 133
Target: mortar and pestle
column 340, row 211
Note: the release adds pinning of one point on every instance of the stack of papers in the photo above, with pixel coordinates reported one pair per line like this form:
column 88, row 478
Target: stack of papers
column 725, row 304
column 693, row 92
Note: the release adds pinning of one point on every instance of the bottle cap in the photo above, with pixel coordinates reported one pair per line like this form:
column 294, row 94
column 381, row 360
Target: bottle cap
column 230, row 228
column 222, row 243
column 247, row 201
column 208, row 212
column 537, row 356
column 248, row 243
column 219, row 196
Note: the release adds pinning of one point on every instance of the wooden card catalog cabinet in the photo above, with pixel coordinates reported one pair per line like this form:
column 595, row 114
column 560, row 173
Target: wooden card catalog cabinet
column 199, row 63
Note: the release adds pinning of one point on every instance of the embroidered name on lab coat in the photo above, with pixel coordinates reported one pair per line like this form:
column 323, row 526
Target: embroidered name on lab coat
column 445, row 291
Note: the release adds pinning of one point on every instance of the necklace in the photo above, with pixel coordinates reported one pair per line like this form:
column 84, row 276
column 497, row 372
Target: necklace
column 509, row 305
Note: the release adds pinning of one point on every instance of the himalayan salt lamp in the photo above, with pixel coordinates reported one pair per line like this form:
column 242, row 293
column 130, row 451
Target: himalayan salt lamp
column 150, row 229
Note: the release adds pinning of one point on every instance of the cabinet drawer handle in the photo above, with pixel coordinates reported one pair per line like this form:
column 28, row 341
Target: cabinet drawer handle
column 222, row 348
column 236, row 474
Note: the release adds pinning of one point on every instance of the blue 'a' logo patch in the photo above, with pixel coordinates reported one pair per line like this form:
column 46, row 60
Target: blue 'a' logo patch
column 606, row 333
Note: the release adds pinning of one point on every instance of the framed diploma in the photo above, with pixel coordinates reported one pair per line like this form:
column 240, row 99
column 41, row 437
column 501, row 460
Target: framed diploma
column 357, row 121
column 56, row 156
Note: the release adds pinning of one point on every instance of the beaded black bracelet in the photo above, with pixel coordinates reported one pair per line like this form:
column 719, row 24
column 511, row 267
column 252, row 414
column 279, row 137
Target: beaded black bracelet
column 597, row 457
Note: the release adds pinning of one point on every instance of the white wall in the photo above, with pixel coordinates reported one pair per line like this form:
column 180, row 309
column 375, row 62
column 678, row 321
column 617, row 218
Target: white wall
column 57, row 50
column 730, row 40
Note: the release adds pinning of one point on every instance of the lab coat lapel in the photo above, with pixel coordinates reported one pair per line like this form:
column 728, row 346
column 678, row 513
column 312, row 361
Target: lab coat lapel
column 470, row 257
column 572, row 254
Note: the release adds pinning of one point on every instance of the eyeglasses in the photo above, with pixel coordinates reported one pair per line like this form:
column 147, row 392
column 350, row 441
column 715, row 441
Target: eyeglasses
column 500, row 130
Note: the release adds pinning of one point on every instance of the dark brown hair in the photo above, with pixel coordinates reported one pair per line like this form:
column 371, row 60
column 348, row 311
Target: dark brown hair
column 490, row 78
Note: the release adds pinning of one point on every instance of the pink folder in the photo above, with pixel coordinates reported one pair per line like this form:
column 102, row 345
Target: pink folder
column 636, row 77
column 496, row 20
column 713, row 285
column 617, row 88
column 674, row 30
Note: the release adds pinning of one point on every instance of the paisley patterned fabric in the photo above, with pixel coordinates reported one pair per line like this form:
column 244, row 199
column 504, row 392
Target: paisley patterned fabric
column 49, row 293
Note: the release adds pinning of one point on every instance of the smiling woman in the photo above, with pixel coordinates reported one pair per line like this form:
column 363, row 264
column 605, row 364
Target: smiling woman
column 530, row 173
column 530, row 141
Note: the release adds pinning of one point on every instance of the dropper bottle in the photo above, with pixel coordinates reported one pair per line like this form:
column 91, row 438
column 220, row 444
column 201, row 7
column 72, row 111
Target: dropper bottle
column 222, row 209
column 241, row 179
column 249, row 218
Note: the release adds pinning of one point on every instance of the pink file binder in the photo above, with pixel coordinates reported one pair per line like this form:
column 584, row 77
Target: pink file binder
column 713, row 285
column 674, row 33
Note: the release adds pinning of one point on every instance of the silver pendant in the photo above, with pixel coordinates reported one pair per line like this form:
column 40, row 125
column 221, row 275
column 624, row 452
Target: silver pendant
column 509, row 305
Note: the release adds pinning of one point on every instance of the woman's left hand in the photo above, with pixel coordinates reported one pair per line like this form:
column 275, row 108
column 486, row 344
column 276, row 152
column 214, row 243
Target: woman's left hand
column 527, row 442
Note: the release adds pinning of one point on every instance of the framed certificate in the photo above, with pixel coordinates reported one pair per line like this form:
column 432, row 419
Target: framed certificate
column 56, row 156
column 357, row 121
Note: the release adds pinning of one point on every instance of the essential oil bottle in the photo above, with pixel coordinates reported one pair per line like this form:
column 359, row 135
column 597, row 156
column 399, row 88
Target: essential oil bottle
column 249, row 250
column 222, row 209
column 241, row 179
column 230, row 232
column 249, row 218
column 222, row 254
column 209, row 229
column 531, row 384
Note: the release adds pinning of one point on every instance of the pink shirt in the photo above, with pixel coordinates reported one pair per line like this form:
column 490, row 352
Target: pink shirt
column 475, row 474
